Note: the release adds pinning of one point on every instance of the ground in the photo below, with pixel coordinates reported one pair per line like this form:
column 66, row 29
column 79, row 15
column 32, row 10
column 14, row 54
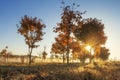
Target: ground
column 59, row 71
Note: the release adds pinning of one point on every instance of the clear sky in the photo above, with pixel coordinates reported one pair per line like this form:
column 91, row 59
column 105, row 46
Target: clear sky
column 49, row 11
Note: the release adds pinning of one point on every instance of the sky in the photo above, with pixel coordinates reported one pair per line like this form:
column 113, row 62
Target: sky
column 11, row 12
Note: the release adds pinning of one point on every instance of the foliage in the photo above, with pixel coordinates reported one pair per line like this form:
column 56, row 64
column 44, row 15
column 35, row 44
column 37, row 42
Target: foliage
column 91, row 33
column 70, row 20
column 76, row 49
column 75, row 46
column 84, row 55
column 59, row 46
column 3, row 52
column 31, row 29
column 103, row 54
column 44, row 55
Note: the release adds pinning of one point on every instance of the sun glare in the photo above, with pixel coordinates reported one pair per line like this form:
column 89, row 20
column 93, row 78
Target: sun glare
column 88, row 47
column 102, row 45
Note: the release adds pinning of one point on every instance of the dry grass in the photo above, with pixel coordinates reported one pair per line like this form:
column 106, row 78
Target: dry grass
column 59, row 71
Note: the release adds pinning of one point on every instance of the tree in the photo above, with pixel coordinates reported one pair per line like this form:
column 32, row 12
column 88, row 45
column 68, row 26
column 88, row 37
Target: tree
column 59, row 47
column 70, row 20
column 76, row 49
column 4, row 53
column 102, row 53
column 83, row 55
column 44, row 54
column 51, row 56
column 79, row 52
column 91, row 33
column 31, row 29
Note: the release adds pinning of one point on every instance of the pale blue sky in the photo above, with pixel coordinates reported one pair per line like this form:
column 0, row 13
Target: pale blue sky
column 49, row 11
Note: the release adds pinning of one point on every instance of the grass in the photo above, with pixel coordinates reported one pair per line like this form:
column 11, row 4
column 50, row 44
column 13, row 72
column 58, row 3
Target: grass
column 59, row 71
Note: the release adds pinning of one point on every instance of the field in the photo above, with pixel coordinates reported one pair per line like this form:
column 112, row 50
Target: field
column 60, row 71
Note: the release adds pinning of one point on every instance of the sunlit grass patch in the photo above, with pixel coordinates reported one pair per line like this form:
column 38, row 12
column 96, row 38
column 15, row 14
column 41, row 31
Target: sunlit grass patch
column 58, row 71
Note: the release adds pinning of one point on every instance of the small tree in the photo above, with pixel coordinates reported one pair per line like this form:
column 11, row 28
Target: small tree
column 51, row 56
column 4, row 54
column 31, row 29
column 102, row 54
column 44, row 54
column 22, row 58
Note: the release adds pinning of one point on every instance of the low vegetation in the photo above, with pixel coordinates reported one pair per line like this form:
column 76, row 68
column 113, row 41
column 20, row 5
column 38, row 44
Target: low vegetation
column 60, row 71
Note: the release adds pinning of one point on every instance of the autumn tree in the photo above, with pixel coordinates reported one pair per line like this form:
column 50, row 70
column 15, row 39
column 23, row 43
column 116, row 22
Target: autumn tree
column 102, row 53
column 31, row 29
column 91, row 33
column 70, row 19
column 59, row 47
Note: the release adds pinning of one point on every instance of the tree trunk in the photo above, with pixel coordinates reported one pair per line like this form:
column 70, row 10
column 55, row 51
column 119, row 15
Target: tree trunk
column 92, row 56
column 67, row 55
column 30, row 52
column 29, row 58
column 68, row 36
column 83, row 61
column 63, row 58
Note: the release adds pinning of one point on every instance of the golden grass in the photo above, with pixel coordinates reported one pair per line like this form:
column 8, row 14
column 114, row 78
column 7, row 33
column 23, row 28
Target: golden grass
column 58, row 71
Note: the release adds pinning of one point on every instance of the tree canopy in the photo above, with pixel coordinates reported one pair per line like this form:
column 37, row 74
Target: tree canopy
column 91, row 32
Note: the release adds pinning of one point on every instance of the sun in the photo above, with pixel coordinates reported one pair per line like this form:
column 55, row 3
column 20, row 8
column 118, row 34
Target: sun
column 88, row 47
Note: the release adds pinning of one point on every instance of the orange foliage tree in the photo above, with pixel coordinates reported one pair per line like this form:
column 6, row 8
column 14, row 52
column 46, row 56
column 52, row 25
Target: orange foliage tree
column 70, row 20
column 31, row 29
column 59, row 47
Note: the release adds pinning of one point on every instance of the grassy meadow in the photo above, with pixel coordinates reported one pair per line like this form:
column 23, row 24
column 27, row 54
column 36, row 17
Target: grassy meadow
column 59, row 71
